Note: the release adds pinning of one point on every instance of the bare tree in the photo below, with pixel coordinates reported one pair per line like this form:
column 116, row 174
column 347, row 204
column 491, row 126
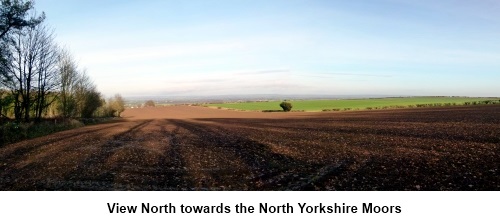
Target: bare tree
column 78, row 94
column 86, row 96
column 13, row 16
column 47, row 76
column 32, row 71
column 25, row 51
column 118, row 104
column 69, row 77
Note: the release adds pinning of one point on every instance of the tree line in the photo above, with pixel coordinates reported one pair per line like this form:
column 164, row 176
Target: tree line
column 40, row 79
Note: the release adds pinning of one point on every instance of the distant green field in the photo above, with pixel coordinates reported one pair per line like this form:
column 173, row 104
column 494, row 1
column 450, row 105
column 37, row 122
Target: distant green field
column 354, row 104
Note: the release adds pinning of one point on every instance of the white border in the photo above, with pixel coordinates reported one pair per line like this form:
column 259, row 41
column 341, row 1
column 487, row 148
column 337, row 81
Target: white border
column 93, row 205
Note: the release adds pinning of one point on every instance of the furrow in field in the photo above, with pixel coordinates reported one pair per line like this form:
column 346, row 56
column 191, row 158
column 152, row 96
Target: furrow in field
column 54, row 161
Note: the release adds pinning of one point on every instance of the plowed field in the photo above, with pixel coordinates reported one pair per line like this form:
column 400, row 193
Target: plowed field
column 196, row 148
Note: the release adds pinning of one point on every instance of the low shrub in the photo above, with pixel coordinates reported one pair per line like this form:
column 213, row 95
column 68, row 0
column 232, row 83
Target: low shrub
column 149, row 103
column 12, row 132
column 272, row 111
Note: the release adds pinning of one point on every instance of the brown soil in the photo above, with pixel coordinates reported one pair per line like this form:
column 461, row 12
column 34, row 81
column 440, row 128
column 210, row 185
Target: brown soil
column 197, row 148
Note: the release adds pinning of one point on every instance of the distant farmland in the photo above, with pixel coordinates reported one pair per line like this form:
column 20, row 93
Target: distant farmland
column 352, row 104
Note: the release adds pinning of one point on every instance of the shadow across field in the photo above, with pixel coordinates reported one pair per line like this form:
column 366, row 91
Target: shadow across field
column 243, row 163
column 182, row 155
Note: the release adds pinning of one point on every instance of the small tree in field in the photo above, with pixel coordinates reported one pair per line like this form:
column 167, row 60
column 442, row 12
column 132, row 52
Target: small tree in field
column 286, row 106
column 118, row 104
column 149, row 103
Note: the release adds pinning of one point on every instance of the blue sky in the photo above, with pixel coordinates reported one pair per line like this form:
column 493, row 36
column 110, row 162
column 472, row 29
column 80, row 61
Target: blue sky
column 336, row 47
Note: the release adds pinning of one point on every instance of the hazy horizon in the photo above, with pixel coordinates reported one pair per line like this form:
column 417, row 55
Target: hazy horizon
column 194, row 99
column 212, row 48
